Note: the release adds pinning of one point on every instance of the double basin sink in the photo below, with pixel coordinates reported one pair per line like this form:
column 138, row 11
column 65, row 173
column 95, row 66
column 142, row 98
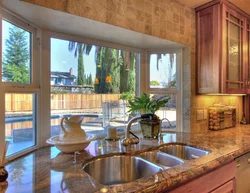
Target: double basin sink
column 120, row 169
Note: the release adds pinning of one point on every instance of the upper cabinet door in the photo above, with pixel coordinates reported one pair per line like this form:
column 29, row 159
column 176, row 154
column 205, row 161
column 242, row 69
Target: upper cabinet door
column 232, row 51
column 247, row 54
column 208, row 50
column 221, row 65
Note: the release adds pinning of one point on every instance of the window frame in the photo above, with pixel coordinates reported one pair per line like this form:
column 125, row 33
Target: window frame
column 34, row 41
column 32, row 88
column 178, row 91
column 46, row 36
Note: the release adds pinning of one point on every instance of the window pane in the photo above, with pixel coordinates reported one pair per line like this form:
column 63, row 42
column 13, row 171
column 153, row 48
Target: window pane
column 89, row 80
column 16, row 54
column 168, row 113
column 20, row 121
column 234, row 47
column 235, row 19
column 163, row 70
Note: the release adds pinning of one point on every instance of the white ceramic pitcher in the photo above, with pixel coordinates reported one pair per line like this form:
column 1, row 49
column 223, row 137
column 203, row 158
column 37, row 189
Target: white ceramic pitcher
column 71, row 129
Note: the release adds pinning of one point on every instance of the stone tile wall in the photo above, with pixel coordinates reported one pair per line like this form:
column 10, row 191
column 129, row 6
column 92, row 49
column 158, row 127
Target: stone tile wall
column 167, row 19
column 204, row 102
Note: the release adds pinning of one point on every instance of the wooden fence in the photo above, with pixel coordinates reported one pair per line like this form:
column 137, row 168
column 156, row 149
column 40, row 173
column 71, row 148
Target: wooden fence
column 23, row 102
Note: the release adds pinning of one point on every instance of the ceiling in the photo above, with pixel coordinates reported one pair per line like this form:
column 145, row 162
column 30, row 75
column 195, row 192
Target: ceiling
column 242, row 4
column 58, row 21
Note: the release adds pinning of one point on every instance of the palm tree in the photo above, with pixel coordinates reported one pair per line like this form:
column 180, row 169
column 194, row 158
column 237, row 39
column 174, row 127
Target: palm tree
column 109, row 62
column 128, row 72
column 107, row 65
column 171, row 78
column 79, row 50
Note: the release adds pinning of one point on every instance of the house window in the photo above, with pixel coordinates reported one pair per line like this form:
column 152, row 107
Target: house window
column 88, row 79
column 164, row 79
column 19, row 84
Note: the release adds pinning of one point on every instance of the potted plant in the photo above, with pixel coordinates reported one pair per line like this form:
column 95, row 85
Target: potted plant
column 147, row 106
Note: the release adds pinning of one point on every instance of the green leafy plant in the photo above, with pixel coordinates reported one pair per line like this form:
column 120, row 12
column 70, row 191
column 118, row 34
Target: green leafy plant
column 154, row 83
column 127, row 96
column 146, row 104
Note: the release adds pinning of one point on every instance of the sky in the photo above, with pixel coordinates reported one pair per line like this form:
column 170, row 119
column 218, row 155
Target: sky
column 161, row 75
column 62, row 59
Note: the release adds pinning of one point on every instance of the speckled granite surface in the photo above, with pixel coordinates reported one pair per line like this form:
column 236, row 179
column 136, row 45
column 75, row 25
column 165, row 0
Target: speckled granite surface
column 48, row 170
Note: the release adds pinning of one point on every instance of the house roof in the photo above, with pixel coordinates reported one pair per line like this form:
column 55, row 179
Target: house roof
column 65, row 75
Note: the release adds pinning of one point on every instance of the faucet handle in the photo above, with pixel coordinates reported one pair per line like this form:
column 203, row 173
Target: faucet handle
column 129, row 141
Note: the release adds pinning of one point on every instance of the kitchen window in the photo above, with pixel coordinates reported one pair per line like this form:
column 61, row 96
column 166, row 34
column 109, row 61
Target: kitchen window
column 19, row 85
column 89, row 79
column 164, row 78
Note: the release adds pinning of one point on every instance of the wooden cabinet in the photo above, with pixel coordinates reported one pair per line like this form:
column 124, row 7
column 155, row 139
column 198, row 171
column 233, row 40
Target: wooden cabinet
column 221, row 180
column 248, row 55
column 221, row 64
column 246, row 99
column 228, row 187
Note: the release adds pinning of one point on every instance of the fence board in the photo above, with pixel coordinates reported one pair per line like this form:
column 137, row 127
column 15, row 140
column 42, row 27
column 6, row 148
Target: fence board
column 89, row 102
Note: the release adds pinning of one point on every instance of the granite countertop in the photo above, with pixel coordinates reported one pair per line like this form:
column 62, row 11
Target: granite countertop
column 49, row 170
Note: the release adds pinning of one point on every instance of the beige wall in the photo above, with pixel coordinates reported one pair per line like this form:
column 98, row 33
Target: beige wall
column 167, row 19
column 203, row 102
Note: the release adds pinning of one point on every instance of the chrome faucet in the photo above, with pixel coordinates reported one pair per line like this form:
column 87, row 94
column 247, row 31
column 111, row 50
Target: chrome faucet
column 168, row 122
column 129, row 141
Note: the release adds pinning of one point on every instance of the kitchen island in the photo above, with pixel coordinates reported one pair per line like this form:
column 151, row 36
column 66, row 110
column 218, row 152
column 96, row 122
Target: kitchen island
column 49, row 170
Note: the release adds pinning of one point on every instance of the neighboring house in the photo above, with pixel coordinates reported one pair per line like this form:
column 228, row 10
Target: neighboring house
column 62, row 78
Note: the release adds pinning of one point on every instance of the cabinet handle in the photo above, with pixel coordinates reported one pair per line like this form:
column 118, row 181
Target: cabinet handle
column 248, row 160
column 238, row 165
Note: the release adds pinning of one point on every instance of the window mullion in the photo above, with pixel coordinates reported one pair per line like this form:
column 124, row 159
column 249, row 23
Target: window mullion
column 176, row 92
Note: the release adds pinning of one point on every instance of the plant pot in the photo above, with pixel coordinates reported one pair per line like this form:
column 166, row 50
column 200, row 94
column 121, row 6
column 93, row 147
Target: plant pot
column 3, row 174
column 150, row 128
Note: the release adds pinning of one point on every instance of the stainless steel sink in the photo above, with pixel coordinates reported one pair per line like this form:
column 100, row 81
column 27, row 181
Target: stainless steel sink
column 120, row 169
column 161, row 158
column 183, row 151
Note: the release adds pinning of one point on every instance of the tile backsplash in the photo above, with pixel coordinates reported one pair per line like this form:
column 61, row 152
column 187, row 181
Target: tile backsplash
column 204, row 102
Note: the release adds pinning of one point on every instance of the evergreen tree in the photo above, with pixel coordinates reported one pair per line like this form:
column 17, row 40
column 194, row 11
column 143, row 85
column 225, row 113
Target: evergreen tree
column 114, row 71
column 100, row 70
column 128, row 62
column 90, row 80
column 16, row 57
column 79, row 50
column 107, row 65
column 120, row 65
column 80, row 70
column 87, row 79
